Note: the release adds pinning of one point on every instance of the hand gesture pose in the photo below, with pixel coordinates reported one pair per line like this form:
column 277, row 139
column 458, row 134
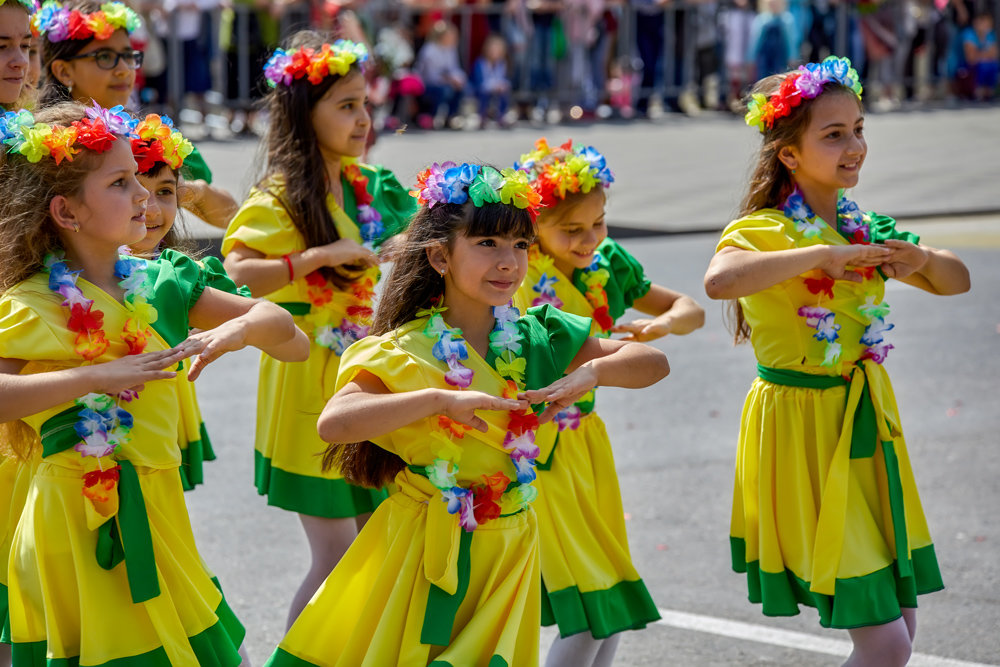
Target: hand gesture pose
column 461, row 406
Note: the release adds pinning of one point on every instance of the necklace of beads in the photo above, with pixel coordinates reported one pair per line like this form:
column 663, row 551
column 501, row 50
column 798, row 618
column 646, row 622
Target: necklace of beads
column 852, row 224
column 497, row 495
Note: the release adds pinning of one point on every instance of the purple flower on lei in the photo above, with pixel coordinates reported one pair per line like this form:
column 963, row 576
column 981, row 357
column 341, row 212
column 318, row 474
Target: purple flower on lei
column 550, row 299
column 809, row 83
column 877, row 353
column 458, row 375
column 521, row 446
column 116, row 118
column 568, row 418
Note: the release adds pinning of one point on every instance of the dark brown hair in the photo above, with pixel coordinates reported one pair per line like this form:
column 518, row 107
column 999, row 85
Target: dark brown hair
column 412, row 285
column 296, row 173
column 53, row 90
column 770, row 181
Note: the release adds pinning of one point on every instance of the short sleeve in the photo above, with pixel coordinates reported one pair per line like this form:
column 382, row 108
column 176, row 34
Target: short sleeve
column 883, row 227
column 195, row 168
column 764, row 230
column 380, row 356
column 262, row 224
column 24, row 334
column 178, row 282
column 393, row 202
column 627, row 272
column 553, row 339
column 217, row 278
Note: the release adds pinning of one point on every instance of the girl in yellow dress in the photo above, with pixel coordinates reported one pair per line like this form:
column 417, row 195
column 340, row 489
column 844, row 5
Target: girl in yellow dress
column 590, row 588
column 307, row 238
column 826, row 511
column 436, row 400
column 88, row 339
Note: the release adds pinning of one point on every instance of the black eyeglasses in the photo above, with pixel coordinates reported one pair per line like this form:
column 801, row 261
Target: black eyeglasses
column 108, row 59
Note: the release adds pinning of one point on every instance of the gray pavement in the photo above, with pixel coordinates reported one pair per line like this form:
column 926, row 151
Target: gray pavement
column 675, row 442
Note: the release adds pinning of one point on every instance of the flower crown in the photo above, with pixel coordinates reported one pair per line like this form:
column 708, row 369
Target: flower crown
column 285, row 66
column 28, row 5
column 157, row 142
column 578, row 169
column 805, row 83
column 97, row 132
column 451, row 183
column 59, row 24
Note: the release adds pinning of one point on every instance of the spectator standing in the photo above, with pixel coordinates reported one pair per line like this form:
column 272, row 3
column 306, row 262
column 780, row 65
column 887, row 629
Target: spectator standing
column 581, row 20
column 737, row 21
column 489, row 78
column 543, row 19
column 190, row 22
column 772, row 39
column 649, row 16
column 438, row 66
column 979, row 72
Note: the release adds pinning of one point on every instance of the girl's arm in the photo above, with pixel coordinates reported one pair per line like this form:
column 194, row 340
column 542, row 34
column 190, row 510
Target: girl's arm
column 263, row 276
column 213, row 205
column 601, row 362
column 232, row 322
column 675, row 313
column 735, row 272
column 24, row 395
column 931, row 269
column 365, row 409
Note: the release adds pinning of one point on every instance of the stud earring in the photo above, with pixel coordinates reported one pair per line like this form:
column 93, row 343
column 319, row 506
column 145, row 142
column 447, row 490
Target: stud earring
column 793, row 172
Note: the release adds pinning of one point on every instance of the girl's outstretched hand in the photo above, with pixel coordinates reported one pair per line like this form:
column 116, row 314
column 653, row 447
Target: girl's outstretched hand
column 135, row 370
column 840, row 258
column 906, row 259
column 461, row 406
column 348, row 251
column 642, row 330
column 562, row 393
column 212, row 344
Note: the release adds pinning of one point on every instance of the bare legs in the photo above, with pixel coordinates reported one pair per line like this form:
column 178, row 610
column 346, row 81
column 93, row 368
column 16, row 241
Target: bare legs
column 328, row 541
column 582, row 650
column 886, row 645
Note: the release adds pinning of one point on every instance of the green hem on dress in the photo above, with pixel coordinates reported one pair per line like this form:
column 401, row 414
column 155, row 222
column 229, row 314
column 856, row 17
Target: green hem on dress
column 216, row 646
column 282, row 658
column 193, row 457
column 4, row 615
column 495, row 661
column 313, row 496
column 871, row 599
column 625, row 606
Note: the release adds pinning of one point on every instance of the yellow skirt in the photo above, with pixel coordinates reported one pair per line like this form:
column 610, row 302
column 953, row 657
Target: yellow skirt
column 288, row 450
column 788, row 440
column 588, row 579
column 370, row 611
column 196, row 448
column 65, row 606
column 15, row 478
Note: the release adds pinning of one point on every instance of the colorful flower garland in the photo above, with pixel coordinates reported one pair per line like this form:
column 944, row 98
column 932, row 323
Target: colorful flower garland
column 451, row 183
column 59, row 24
column 495, row 496
column 157, row 142
column 805, row 83
column 853, row 225
column 97, row 132
column 103, row 426
column 284, row 67
column 554, row 172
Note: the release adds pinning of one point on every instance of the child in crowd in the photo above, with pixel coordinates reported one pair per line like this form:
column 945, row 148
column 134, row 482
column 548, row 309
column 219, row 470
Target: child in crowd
column 438, row 67
column 980, row 69
column 489, row 78
column 826, row 511
column 446, row 571
column 590, row 588
column 307, row 239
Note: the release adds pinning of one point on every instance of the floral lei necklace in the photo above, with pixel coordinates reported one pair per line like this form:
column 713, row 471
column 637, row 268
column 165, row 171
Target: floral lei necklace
column 594, row 277
column 853, row 224
column 496, row 495
column 103, row 426
column 359, row 307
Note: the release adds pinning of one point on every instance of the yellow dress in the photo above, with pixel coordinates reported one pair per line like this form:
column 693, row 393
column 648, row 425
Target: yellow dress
column 825, row 510
column 71, row 595
column 290, row 396
column 414, row 588
column 588, row 581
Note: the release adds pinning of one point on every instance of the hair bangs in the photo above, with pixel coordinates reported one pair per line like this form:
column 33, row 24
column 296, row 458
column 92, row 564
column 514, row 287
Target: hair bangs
column 501, row 220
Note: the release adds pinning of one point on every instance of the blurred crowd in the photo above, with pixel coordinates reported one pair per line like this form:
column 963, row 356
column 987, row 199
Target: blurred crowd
column 493, row 62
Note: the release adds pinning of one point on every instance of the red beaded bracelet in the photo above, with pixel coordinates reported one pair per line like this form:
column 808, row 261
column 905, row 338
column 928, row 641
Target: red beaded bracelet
column 291, row 269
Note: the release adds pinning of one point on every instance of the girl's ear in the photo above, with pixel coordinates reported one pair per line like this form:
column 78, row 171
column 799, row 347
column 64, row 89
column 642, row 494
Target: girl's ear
column 63, row 214
column 60, row 70
column 788, row 157
column 437, row 255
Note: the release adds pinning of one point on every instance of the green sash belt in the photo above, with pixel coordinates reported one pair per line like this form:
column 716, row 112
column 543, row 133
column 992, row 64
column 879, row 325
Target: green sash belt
column 128, row 537
column 864, row 436
column 295, row 307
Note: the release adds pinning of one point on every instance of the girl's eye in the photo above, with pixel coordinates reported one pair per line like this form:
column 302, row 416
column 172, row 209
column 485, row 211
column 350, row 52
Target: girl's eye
column 488, row 243
column 165, row 192
column 859, row 131
column 119, row 182
column 522, row 245
column 833, row 135
column 572, row 231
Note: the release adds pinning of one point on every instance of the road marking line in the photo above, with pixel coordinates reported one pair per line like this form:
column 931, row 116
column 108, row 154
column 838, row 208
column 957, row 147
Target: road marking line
column 787, row 638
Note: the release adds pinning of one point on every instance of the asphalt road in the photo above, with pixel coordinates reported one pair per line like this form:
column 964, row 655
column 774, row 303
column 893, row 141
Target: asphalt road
column 675, row 442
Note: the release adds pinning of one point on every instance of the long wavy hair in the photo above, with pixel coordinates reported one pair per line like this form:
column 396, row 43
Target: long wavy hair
column 412, row 285
column 296, row 173
column 770, row 181
column 53, row 90
column 27, row 231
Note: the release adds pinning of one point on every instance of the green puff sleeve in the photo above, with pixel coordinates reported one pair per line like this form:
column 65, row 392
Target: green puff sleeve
column 217, row 278
column 178, row 282
column 626, row 271
column 392, row 200
column 883, row 227
column 195, row 168
column 553, row 338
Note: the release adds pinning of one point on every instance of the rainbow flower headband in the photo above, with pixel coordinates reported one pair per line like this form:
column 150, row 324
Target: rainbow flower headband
column 580, row 170
column 451, row 183
column 805, row 83
column 59, row 24
column 284, row 67
column 34, row 140
column 157, row 142
column 29, row 5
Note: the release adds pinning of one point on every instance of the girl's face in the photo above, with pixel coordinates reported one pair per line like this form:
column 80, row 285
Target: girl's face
column 89, row 81
column 161, row 209
column 110, row 209
column 484, row 270
column 832, row 148
column 570, row 233
column 340, row 118
column 15, row 36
